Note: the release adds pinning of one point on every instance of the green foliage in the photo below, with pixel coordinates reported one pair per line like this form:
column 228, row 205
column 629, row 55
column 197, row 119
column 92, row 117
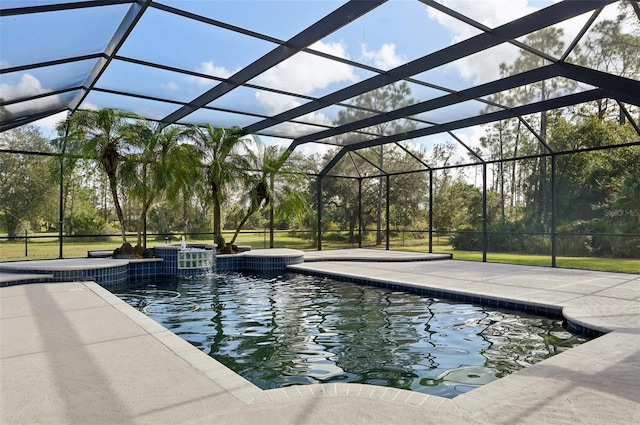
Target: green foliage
column 375, row 161
column 27, row 191
column 101, row 135
column 86, row 223
column 222, row 166
column 162, row 165
column 467, row 238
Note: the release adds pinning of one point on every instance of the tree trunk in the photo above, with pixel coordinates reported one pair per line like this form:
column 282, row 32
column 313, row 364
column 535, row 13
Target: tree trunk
column 271, row 225
column 513, row 167
column 352, row 226
column 249, row 213
column 501, row 167
column 12, row 226
column 380, row 192
column 113, row 185
column 69, row 195
column 542, row 206
column 217, row 223
column 143, row 219
column 272, row 184
column 185, row 219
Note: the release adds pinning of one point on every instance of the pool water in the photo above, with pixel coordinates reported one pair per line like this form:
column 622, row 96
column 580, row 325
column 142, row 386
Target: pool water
column 298, row 329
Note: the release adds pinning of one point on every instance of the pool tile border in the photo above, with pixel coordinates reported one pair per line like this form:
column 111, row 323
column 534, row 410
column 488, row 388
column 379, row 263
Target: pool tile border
column 249, row 393
column 469, row 405
column 546, row 310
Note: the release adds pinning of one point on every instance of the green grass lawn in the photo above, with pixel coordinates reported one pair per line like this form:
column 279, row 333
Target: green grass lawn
column 625, row 265
column 48, row 248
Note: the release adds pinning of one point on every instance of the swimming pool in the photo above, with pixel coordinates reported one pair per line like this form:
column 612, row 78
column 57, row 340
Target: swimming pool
column 299, row 329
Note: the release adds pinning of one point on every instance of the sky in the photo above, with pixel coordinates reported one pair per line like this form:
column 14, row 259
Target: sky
column 395, row 33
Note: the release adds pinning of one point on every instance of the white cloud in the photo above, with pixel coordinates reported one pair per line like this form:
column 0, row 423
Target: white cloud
column 209, row 68
column 27, row 86
column 481, row 67
column 386, row 58
column 48, row 125
column 89, row 106
column 305, row 73
column 484, row 66
column 471, row 136
column 308, row 149
column 275, row 103
column 489, row 13
column 171, row 86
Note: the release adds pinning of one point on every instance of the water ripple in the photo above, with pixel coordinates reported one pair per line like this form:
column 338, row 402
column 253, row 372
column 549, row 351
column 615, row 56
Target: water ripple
column 300, row 329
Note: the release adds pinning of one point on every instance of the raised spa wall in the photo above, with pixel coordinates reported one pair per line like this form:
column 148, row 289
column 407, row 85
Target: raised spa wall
column 168, row 261
column 171, row 260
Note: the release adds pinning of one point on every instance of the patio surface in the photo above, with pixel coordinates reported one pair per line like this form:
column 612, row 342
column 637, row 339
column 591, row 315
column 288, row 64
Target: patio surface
column 73, row 353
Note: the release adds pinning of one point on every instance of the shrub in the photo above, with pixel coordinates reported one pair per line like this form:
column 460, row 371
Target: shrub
column 467, row 239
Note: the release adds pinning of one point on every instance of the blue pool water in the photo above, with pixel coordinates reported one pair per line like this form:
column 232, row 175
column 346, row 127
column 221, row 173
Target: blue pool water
column 299, row 329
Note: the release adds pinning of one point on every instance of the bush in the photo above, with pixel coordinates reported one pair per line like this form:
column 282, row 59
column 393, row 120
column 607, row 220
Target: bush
column 86, row 223
column 536, row 244
column 592, row 243
column 467, row 239
column 335, row 236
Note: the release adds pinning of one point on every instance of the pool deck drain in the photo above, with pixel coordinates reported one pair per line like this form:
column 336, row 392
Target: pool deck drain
column 73, row 353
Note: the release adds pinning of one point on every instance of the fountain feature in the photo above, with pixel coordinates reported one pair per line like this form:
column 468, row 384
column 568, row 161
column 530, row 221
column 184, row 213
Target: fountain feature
column 194, row 261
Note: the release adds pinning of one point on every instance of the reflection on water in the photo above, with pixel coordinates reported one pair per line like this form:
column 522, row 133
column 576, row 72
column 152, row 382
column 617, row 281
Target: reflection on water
column 298, row 329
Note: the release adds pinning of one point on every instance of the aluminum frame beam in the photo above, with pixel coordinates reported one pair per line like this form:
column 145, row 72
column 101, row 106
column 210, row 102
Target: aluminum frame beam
column 59, row 7
column 549, row 104
column 129, row 22
column 509, row 31
column 472, row 93
column 51, row 63
column 621, row 88
column 26, row 119
column 317, row 31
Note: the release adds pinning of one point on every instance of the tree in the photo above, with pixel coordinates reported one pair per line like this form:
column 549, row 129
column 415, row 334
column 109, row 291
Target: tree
column 505, row 139
column 162, row 164
column 67, row 171
column 455, row 203
column 223, row 166
column 387, row 98
column 270, row 184
column 608, row 47
column 589, row 183
column 549, row 41
column 407, row 193
column 102, row 136
column 27, row 191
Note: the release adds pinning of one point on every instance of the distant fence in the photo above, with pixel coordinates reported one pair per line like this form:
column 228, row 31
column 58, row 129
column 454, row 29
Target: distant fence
column 596, row 245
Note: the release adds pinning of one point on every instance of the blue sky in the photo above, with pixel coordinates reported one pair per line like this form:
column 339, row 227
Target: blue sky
column 395, row 33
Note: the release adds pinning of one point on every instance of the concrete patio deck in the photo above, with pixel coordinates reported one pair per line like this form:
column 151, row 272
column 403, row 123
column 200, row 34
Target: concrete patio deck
column 73, row 353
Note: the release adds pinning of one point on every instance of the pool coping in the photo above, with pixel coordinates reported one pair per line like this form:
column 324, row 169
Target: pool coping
column 577, row 318
column 486, row 400
column 249, row 393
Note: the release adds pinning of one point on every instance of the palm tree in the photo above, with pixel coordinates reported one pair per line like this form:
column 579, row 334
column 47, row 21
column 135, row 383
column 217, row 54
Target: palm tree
column 163, row 164
column 219, row 151
column 268, row 186
column 102, row 135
